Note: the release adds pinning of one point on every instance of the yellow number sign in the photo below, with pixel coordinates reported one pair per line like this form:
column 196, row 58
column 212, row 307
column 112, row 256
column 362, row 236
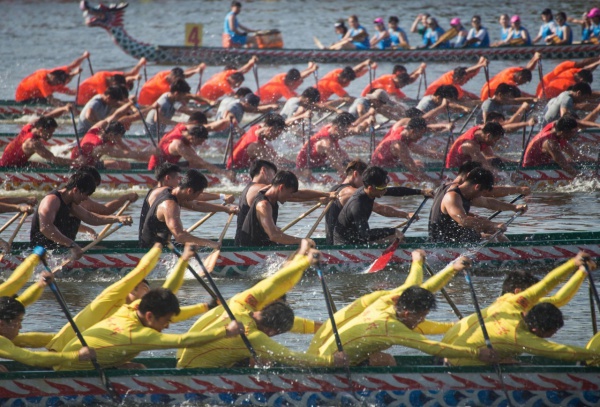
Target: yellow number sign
column 193, row 34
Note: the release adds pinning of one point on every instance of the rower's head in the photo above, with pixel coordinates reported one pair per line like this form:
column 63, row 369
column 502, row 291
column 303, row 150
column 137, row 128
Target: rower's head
column 196, row 135
column 353, row 21
column 415, row 129
column 191, row 185
column 523, row 76
column 561, row 18
column 413, row 112
column 393, row 22
column 262, row 171
column 431, row 23
column 180, row 89
column 594, row 14
column 491, row 133
column 504, row 20
column 566, row 127
column 399, row 69
column 80, row 186
column 580, row 92
column 495, row 117
column 236, row 79
column 250, row 102
column 456, row 24
column 340, row 27
column 274, row 319
column 114, row 95
column 168, row 174
column 138, row 292
column 413, row 305
column 241, row 92
column 506, row 92
column 88, row 169
column 45, row 126
column 544, row 319
column 340, row 126
column 11, row 317
column 517, row 281
column 376, row 181
column 465, row 169
column 236, row 7
column 113, row 131
column 585, row 75
column 379, row 24
column 515, row 22
column 379, row 98
column 293, row 79
column 546, row 15
column 459, row 75
column 446, row 92
column 119, row 80
column 346, row 76
column 157, row 307
column 58, row 77
column 354, row 172
column 197, row 118
column 273, row 126
column 176, row 73
column 285, row 183
column 310, row 97
column 476, row 22
column 478, row 181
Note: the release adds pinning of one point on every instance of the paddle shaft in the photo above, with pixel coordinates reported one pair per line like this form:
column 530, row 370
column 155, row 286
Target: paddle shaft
column 371, row 141
column 492, row 237
column 413, row 218
column 486, row 71
column 455, row 309
column 194, row 273
column 330, row 312
column 593, row 287
column 76, row 132
column 199, row 82
column 329, row 114
column 255, row 72
column 419, row 88
column 541, row 75
column 148, row 132
column 229, row 143
column 448, row 143
column 299, row 218
column 253, row 122
column 14, row 234
column 593, row 312
column 119, row 213
column 321, row 216
column 90, row 65
column 525, row 145
column 77, row 88
column 200, row 222
column 492, row 216
column 10, row 222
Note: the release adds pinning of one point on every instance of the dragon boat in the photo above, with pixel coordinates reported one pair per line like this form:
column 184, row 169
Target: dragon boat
column 112, row 17
column 248, row 262
column 416, row 381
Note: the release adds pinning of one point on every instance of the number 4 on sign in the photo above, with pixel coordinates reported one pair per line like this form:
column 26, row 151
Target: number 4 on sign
column 193, row 34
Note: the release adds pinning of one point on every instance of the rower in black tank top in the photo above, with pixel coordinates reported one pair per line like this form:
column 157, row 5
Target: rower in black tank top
column 442, row 228
column 64, row 221
column 154, row 230
column 252, row 233
column 243, row 212
column 144, row 211
column 333, row 213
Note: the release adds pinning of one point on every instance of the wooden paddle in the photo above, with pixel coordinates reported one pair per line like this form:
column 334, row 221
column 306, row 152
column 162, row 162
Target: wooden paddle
column 419, row 88
column 10, row 222
column 447, row 36
column 329, row 114
column 492, row 216
column 90, row 65
column 77, row 88
column 255, row 72
column 541, row 75
column 200, row 222
column 319, row 219
column 119, row 213
column 455, row 309
column 14, row 234
column 299, row 218
column 148, row 132
column 229, row 142
column 211, row 260
column 199, row 82
column 486, row 71
column 380, row 263
column 76, row 132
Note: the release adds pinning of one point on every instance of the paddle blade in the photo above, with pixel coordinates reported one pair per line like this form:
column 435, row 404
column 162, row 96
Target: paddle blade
column 385, row 258
column 211, row 260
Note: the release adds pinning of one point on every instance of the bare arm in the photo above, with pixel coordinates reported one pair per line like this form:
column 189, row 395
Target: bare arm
column 554, row 150
column 533, row 62
column 246, row 68
column 453, row 206
column 170, row 213
column 265, row 216
column 389, row 211
column 402, row 152
column 189, row 154
column 200, row 206
column 77, row 62
column 47, row 210
column 36, row 146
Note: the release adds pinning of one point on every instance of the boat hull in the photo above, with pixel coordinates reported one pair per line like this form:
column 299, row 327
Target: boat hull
column 414, row 383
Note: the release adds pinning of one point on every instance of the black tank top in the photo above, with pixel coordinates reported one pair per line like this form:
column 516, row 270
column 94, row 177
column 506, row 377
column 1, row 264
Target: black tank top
column 243, row 212
column 144, row 211
column 252, row 233
column 442, row 228
column 64, row 221
column 332, row 214
column 154, row 230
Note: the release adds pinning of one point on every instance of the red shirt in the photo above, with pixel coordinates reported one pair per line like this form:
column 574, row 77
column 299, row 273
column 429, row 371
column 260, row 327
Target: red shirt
column 153, row 88
column 385, row 82
column 382, row 156
column 90, row 141
column 534, row 155
column 13, row 155
column 165, row 143
column 241, row 159
column 218, row 86
column 455, row 157
column 275, row 89
column 505, row 76
column 329, row 85
column 316, row 160
column 36, row 85
column 94, row 85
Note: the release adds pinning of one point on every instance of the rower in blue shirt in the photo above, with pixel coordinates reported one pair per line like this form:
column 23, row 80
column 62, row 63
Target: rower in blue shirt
column 358, row 34
column 432, row 34
column 591, row 32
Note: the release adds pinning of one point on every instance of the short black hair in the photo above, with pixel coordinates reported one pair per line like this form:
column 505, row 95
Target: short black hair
column 60, row 76
column 160, row 302
column 493, row 128
column 259, row 164
column 459, row 72
column 312, row 94
column 198, row 118
column 275, row 120
column 278, row 316
column 237, row 77
column 180, row 85
column 566, row 123
column 10, row 308
column 547, row 12
column 562, row 15
column 84, row 182
column 374, row 176
column 236, row 4
column 199, row 132
column 252, row 99
column 393, row 19
column 398, row 68
column 118, row 92
column 585, row 75
column 344, row 120
column 507, row 90
column 468, row 166
column 88, row 169
column 544, row 317
column 292, row 76
column 242, row 91
column 416, row 123
column 195, row 180
column 525, row 74
column 584, row 88
column 492, row 116
column 447, row 92
column 416, row 299
column 164, row 169
column 481, row 176
column 45, row 123
column 356, row 165
column 347, row 74
column 177, row 72
column 117, row 80
column 286, row 178
column 518, row 279
column 115, row 127
column 413, row 112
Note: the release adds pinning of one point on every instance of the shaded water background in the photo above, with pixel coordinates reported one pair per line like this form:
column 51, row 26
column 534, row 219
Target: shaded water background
column 52, row 33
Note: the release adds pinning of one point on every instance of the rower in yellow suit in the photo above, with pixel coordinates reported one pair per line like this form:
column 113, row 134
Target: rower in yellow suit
column 21, row 275
column 264, row 316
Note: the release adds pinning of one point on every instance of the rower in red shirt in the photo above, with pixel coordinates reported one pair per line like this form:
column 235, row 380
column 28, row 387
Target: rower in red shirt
column 551, row 144
column 31, row 140
column 98, row 83
column 458, row 77
column 40, row 86
column 392, row 83
column 284, row 85
column 514, row 76
column 335, row 81
column 565, row 75
column 224, row 83
column 161, row 83
column 253, row 145
column 475, row 145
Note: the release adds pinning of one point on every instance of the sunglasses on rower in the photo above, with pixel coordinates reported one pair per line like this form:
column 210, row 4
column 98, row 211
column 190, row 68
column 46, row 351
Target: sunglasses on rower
column 384, row 186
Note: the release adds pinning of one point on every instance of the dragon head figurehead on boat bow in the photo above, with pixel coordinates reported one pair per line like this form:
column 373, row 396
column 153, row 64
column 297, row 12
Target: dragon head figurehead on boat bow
column 102, row 15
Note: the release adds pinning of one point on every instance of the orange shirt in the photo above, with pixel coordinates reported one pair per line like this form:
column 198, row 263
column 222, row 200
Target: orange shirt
column 505, row 76
column 153, row 88
column 448, row 79
column 275, row 89
column 36, row 85
column 94, row 85
column 329, row 85
column 386, row 83
column 218, row 86
column 558, row 81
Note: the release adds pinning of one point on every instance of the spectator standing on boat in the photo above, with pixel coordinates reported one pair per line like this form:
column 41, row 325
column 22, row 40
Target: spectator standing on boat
column 99, row 82
column 235, row 35
column 476, row 145
column 284, row 85
column 461, row 36
column 224, row 83
column 591, row 30
column 161, row 83
column 40, row 86
column 30, row 140
column 59, row 214
column 517, row 35
column 392, row 83
column 552, row 143
column 397, row 34
column 100, row 107
column 565, row 75
column 383, row 39
column 433, row 34
column 548, row 28
column 478, row 36
column 253, row 144
column 514, row 76
column 335, row 81
column 458, row 77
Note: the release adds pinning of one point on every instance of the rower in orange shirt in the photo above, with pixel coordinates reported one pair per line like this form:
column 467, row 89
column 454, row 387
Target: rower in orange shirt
column 40, row 85
column 514, row 76
column 565, row 75
column 392, row 83
column 284, row 85
column 224, row 83
column 98, row 83
column 335, row 81
column 161, row 83
column 459, row 77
